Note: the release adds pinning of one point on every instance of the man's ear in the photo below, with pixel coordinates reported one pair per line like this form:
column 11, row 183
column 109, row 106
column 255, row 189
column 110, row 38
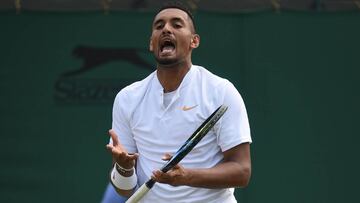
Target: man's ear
column 151, row 45
column 195, row 41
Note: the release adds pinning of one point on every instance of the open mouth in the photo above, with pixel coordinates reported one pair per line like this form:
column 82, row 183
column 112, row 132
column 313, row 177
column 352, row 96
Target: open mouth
column 167, row 46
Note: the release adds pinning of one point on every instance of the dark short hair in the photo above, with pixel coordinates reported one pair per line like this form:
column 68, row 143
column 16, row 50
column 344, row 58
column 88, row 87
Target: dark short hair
column 178, row 5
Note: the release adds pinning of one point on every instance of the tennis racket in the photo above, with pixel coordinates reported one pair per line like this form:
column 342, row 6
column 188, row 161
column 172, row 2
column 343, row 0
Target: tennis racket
column 182, row 152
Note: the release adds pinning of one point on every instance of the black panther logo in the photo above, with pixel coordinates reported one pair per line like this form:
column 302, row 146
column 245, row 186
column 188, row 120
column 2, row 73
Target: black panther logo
column 78, row 90
column 94, row 57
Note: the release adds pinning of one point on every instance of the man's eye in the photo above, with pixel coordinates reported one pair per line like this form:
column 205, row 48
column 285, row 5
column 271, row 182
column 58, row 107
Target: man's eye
column 178, row 26
column 158, row 26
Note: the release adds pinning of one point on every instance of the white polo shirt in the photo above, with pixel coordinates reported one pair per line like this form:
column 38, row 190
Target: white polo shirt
column 146, row 126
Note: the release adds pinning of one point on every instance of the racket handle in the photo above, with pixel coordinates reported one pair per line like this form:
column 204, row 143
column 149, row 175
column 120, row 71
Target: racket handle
column 139, row 194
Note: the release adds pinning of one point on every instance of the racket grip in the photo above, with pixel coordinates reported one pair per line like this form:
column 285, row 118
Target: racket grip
column 139, row 194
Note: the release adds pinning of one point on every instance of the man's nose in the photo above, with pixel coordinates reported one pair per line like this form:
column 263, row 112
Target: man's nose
column 167, row 28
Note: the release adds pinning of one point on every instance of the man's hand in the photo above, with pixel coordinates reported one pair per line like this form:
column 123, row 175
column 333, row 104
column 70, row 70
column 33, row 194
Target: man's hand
column 119, row 153
column 175, row 176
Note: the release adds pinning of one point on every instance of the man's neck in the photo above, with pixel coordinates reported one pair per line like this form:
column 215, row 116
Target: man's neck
column 171, row 77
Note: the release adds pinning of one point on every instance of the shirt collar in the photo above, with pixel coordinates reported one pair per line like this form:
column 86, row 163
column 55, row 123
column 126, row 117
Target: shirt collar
column 186, row 81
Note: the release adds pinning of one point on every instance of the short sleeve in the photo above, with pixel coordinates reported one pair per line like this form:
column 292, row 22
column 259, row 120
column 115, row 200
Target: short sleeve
column 121, row 124
column 234, row 126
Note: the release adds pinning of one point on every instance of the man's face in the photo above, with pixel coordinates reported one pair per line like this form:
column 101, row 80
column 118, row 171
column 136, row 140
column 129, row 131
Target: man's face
column 172, row 37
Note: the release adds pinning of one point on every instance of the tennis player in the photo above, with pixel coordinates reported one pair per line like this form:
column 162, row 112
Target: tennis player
column 152, row 118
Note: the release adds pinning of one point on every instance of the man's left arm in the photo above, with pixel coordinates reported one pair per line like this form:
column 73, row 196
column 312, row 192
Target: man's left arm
column 233, row 171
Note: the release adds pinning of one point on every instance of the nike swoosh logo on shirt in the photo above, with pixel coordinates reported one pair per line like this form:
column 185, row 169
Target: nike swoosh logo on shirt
column 186, row 108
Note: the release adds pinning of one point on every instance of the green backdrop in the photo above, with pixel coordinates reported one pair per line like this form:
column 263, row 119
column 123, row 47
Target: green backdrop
column 297, row 72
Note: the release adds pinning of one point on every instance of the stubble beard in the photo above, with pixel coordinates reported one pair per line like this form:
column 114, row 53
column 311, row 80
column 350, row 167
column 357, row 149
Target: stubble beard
column 169, row 63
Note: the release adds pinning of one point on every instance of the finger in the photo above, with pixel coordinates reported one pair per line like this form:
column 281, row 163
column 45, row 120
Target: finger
column 114, row 137
column 122, row 156
column 130, row 158
column 109, row 147
column 158, row 176
column 119, row 152
column 133, row 156
column 177, row 166
column 166, row 157
column 115, row 149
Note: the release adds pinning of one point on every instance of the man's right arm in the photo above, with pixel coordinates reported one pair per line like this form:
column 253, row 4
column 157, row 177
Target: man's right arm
column 123, row 174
